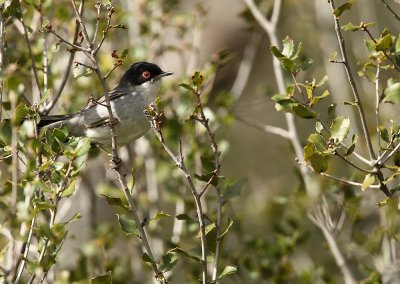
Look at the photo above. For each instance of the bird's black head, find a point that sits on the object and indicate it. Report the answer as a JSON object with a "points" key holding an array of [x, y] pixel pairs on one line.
{"points": [[140, 73]]}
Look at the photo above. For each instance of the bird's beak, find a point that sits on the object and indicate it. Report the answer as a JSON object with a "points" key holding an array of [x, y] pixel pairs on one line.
{"points": [[163, 74]]}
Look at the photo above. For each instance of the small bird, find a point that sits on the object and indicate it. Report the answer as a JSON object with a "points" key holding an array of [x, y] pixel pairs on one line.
{"points": [[137, 88]]}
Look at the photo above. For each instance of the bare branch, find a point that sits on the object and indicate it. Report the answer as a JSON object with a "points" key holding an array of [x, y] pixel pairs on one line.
{"points": [[353, 86], [391, 10]]}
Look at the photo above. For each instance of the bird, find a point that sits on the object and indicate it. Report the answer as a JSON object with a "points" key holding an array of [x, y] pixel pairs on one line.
{"points": [[137, 88]]}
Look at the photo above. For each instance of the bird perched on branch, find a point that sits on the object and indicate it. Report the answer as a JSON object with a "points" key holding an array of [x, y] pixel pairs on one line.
{"points": [[137, 88]]}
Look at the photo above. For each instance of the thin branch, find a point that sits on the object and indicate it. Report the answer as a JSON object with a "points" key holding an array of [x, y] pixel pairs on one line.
{"points": [[2, 63], [153, 117], [350, 78], [109, 15], [35, 72], [391, 10], [317, 217], [377, 105], [67, 71], [352, 164], [384, 159], [365, 28], [98, 7], [266, 128], [72, 45], [26, 251]]}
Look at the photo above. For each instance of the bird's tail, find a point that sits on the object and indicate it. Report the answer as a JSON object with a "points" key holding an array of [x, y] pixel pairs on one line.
{"points": [[52, 121]]}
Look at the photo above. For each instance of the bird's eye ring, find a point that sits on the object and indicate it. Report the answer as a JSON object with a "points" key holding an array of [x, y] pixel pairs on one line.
{"points": [[146, 74]]}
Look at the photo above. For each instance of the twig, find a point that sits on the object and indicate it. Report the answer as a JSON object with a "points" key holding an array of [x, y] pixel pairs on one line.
{"points": [[391, 10], [377, 105], [73, 45], [35, 72], [180, 163], [353, 86], [384, 159], [317, 217], [26, 251], [2, 63], [266, 128], [67, 71], [365, 28], [352, 164], [96, 29], [109, 15]]}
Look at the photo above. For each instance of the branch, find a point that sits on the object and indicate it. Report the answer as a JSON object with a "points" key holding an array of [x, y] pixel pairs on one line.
{"points": [[391, 10], [350, 78], [67, 71], [154, 118], [35, 72]]}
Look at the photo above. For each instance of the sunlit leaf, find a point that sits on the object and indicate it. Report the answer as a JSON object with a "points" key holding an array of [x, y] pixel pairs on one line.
{"points": [[346, 6], [159, 215], [128, 225], [384, 43], [226, 230], [368, 181], [392, 94], [340, 128], [208, 229]]}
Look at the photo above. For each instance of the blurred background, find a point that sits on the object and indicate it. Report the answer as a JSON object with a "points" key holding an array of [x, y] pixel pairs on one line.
{"points": [[272, 239]]}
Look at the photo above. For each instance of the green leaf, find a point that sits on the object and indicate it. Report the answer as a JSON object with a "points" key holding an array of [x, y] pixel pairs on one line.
{"points": [[350, 27], [368, 181], [42, 205], [331, 111], [396, 158], [384, 133], [319, 162], [70, 189], [120, 26], [102, 279], [83, 147], [340, 128], [333, 56], [20, 113], [397, 47], [346, 6], [392, 94], [184, 217], [230, 223], [288, 47], [303, 112], [316, 99], [128, 226], [233, 190], [115, 201], [159, 215], [146, 258], [13, 10], [319, 127], [124, 53], [384, 43], [318, 141], [168, 261], [228, 270], [186, 86], [208, 229], [185, 253], [351, 148], [47, 262]]}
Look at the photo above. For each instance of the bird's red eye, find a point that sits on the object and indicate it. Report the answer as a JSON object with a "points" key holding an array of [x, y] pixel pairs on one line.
{"points": [[146, 74]]}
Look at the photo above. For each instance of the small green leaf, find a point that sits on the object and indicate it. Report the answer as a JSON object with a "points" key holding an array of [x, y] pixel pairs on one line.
{"points": [[70, 189], [83, 147], [350, 27], [168, 261], [20, 113], [319, 162], [319, 127], [47, 262], [392, 94], [124, 53], [186, 86], [233, 190], [318, 141], [340, 128], [102, 279], [13, 10], [384, 43], [228, 270], [384, 133], [42, 205], [303, 112], [333, 56], [185, 217], [115, 201], [354, 104], [120, 26], [331, 112], [368, 181], [351, 148], [159, 215], [185, 253], [230, 223], [288, 47], [208, 229], [346, 6], [316, 99], [146, 258], [128, 226]]}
